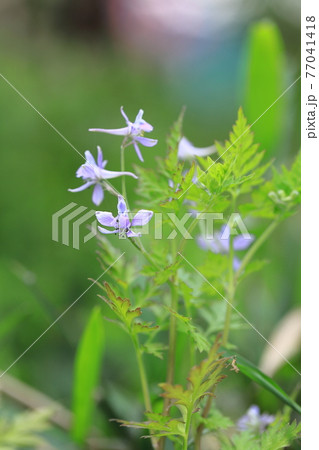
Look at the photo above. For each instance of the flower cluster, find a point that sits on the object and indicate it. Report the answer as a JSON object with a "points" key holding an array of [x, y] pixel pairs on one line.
{"points": [[93, 173], [122, 224], [133, 132]]}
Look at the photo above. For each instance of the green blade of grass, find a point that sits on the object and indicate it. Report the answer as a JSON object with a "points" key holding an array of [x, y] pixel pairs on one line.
{"points": [[263, 81], [251, 371], [86, 374]]}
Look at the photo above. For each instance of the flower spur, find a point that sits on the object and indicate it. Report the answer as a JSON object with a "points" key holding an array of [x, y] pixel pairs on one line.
{"points": [[133, 132]]}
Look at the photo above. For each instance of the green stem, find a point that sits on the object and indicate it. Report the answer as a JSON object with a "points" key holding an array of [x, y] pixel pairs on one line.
{"points": [[201, 427], [172, 328], [187, 428], [233, 279], [108, 187], [143, 380], [247, 258], [172, 339], [123, 170], [172, 335], [142, 372], [140, 248], [231, 284]]}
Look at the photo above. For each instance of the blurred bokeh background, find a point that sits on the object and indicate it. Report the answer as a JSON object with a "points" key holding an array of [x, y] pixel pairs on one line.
{"points": [[77, 62]]}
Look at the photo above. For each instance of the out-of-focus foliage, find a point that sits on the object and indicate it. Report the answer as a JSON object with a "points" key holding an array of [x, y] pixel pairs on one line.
{"points": [[264, 82], [24, 429], [279, 434]]}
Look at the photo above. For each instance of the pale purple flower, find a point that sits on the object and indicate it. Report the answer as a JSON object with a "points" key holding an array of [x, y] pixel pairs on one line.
{"points": [[133, 132], [93, 173], [186, 150], [254, 421], [122, 224], [219, 243]]}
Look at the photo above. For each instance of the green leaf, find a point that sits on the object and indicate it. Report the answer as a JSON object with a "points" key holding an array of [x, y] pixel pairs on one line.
{"points": [[237, 169], [264, 82], [279, 435], [215, 420], [122, 308], [202, 378], [186, 326], [175, 135], [280, 196], [158, 423], [166, 273], [23, 430], [154, 348], [86, 374], [252, 372]]}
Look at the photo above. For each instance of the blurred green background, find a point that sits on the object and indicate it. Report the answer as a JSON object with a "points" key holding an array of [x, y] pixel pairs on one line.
{"points": [[77, 63]]}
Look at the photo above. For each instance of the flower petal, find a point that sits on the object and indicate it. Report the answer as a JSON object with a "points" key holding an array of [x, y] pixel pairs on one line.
{"points": [[121, 205], [124, 115], [124, 221], [138, 152], [105, 218], [86, 171], [236, 263], [218, 246], [131, 233], [202, 242], [142, 217], [147, 142], [145, 126], [81, 188], [241, 242], [99, 157], [104, 231], [108, 174], [141, 123], [118, 131], [89, 158], [139, 116], [186, 150], [98, 194]]}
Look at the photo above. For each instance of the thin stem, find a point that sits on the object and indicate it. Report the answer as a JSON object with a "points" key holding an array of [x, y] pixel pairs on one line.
{"points": [[123, 170], [172, 335], [187, 428], [142, 372], [201, 427], [172, 341], [262, 238], [143, 380], [231, 283], [108, 187], [140, 248]]}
